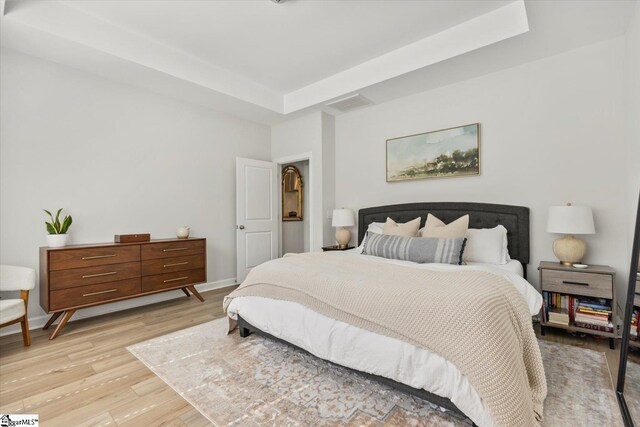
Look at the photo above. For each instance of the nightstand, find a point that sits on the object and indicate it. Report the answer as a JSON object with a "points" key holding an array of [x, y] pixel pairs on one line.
{"points": [[595, 281], [336, 248]]}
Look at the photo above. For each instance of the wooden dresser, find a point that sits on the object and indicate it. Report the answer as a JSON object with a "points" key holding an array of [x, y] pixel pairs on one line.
{"points": [[82, 276]]}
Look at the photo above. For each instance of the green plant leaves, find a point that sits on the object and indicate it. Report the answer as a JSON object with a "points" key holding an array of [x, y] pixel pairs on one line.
{"points": [[55, 227], [66, 223]]}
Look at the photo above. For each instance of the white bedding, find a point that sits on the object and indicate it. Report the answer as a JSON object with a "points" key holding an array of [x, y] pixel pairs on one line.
{"points": [[513, 266], [366, 351]]}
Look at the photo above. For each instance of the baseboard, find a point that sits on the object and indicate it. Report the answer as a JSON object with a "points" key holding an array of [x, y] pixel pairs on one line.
{"points": [[39, 321]]}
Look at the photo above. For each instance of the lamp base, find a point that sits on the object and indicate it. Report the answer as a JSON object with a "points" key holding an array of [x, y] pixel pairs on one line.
{"points": [[343, 236], [569, 250]]}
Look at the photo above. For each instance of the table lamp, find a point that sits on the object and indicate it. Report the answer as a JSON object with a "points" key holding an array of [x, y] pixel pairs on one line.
{"points": [[342, 218], [570, 220]]}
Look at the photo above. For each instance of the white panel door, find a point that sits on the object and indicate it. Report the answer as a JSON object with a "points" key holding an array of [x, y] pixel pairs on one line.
{"points": [[256, 214]]}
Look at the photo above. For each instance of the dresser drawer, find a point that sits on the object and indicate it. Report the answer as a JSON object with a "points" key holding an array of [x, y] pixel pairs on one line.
{"points": [[76, 258], [569, 282], [62, 279], [170, 265], [91, 294], [172, 280], [172, 249]]}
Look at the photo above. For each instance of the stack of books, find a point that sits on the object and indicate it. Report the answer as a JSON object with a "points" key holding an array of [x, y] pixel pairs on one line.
{"points": [[595, 315], [555, 302], [558, 316], [635, 325]]}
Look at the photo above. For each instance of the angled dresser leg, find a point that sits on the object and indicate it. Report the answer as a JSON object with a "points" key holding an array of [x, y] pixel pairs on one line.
{"points": [[186, 292], [63, 322], [53, 318], [195, 292]]}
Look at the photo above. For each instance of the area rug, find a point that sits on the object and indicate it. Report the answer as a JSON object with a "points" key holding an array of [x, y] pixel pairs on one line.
{"points": [[632, 390], [256, 381]]}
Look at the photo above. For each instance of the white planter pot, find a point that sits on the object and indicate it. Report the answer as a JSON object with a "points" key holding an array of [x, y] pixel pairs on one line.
{"points": [[57, 240]]}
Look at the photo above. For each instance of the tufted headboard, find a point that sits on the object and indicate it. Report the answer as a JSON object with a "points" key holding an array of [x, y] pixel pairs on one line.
{"points": [[481, 215]]}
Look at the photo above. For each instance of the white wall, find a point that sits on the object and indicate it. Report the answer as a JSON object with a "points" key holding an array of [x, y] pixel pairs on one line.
{"points": [[551, 132], [308, 135], [632, 93], [119, 160], [295, 234]]}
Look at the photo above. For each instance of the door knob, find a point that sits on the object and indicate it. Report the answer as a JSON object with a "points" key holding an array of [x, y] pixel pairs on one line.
{"points": [[241, 227]]}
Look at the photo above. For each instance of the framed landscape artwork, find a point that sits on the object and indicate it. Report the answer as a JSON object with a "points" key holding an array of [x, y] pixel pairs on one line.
{"points": [[442, 153]]}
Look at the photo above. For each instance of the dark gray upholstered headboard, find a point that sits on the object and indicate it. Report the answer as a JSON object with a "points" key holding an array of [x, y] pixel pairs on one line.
{"points": [[481, 215]]}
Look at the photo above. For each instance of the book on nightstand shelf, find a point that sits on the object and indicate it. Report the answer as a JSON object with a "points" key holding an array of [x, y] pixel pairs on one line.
{"points": [[559, 316]]}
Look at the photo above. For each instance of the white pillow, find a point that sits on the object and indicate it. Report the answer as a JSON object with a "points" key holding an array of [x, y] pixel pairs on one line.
{"points": [[486, 245], [374, 227]]}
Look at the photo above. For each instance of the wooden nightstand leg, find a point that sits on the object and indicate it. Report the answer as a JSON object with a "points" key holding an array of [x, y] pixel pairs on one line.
{"points": [[53, 318], [195, 292], [186, 292], [542, 330], [612, 344], [63, 322]]}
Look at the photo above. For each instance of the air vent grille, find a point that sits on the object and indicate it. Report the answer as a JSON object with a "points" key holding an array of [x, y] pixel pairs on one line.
{"points": [[350, 103]]}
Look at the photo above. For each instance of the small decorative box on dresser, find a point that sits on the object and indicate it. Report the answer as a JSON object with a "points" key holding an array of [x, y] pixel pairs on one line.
{"points": [[578, 300], [80, 276]]}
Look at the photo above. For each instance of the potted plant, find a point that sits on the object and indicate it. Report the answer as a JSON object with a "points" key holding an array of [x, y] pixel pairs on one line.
{"points": [[57, 230]]}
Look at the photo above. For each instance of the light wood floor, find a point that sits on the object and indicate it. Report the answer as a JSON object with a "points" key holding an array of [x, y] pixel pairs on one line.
{"points": [[87, 377]]}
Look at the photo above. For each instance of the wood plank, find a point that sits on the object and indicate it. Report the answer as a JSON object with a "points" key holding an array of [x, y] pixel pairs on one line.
{"points": [[166, 414], [140, 405]]}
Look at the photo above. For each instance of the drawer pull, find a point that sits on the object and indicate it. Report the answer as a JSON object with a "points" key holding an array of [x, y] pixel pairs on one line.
{"points": [[175, 263], [176, 279], [174, 249], [568, 282], [99, 274], [98, 256], [108, 291]]}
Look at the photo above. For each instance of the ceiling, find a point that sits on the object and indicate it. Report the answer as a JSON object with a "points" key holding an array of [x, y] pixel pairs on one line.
{"points": [[266, 61], [290, 45]]}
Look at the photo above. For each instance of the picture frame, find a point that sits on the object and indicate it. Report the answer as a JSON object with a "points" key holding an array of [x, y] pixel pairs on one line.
{"points": [[444, 153]]}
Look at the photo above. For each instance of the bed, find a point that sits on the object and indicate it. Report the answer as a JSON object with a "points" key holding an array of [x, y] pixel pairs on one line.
{"points": [[391, 358]]}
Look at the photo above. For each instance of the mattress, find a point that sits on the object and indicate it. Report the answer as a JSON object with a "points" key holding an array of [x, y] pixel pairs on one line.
{"points": [[373, 353]]}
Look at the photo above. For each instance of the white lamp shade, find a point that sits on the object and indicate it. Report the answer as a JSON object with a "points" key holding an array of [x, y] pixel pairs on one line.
{"points": [[570, 220], [342, 218]]}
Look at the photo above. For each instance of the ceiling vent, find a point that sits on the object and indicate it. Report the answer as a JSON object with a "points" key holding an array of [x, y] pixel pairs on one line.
{"points": [[350, 103]]}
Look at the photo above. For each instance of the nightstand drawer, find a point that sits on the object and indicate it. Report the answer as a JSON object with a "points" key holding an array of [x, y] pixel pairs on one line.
{"points": [[578, 283]]}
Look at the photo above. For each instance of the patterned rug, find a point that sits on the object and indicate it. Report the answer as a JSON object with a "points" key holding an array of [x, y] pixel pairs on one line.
{"points": [[632, 390], [258, 382]]}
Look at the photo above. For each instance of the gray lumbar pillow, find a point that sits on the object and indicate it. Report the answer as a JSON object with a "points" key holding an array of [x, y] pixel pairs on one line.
{"points": [[416, 249]]}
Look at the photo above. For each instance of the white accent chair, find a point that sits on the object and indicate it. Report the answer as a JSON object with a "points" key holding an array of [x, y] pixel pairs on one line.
{"points": [[12, 311]]}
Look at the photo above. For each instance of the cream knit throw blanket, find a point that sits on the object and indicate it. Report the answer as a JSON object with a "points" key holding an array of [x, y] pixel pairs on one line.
{"points": [[476, 320]]}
